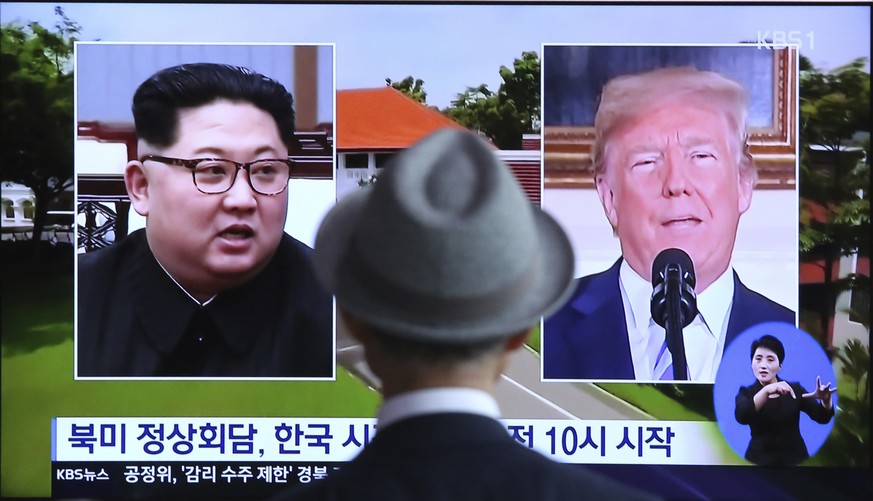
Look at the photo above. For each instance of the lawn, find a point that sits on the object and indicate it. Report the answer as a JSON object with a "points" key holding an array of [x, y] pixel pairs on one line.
{"points": [[652, 401], [37, 384]]}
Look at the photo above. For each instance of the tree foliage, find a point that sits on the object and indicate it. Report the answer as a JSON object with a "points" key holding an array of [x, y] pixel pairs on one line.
{"points": [[36, 109], [848, 444], [834, 109], [504, 116], [834, 105], [835, 221], [412, 87], [834, 171]]}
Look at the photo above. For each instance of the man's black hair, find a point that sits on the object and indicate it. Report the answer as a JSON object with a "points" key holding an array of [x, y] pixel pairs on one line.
{"points": [[772, 344], [157, 101]]}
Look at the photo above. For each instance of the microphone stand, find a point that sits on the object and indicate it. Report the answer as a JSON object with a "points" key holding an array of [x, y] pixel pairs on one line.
{"points": [[675, 322]]}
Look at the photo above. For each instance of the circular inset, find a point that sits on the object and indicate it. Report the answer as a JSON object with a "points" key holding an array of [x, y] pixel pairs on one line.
{"points": [[803, 361]]}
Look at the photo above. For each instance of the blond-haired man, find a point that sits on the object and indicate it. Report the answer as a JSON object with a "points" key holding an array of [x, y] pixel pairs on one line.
{"points": [[672, 170]]}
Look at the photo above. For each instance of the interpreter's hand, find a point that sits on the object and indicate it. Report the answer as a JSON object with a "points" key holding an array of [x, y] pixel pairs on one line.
{"points": [[823, 392], [773, 390]]}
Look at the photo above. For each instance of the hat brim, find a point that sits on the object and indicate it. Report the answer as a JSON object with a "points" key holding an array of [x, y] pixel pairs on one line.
{"points": [[548, 289]]}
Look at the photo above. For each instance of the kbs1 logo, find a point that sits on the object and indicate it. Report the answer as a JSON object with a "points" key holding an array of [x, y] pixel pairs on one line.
{"points": [[774, 39]]}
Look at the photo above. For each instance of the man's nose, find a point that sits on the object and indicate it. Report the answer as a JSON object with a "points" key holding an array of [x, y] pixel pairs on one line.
{"points": [[676, 181], [240, 196]]}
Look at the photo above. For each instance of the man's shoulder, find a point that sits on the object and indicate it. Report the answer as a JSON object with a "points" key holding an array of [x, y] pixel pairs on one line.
{"points": [[100, 263], [544, 480], [573, 481], [591, 292], [293, 252], [290, 243], [587, 337], [293, 259], [104, 300], [763, 309], [592, 282]]}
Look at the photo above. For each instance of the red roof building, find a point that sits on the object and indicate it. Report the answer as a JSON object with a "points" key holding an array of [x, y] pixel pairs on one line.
{"points": [[373, 124], [383, 119]]}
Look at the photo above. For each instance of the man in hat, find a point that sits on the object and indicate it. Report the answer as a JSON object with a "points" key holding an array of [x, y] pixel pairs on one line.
{"points": [[440, 270]]}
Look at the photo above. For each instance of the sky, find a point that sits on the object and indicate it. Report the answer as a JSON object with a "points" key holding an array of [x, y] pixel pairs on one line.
{"points": [[452, 47]]}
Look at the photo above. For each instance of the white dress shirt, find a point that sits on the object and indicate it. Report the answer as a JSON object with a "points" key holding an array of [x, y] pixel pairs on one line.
{"points": [[704, 337], [435, 401]]}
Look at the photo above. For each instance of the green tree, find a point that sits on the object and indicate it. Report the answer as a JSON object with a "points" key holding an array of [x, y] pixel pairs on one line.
{"points": [[834, 181], [834, 222], [412, 87], [504, 116], [36, 110], [849, 444], [475, 109], [520, 91]]}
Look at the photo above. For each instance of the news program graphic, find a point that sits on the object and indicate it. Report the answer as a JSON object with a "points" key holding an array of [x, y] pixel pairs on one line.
{"points": [[803, 362], [251, 457], [777, 39]]}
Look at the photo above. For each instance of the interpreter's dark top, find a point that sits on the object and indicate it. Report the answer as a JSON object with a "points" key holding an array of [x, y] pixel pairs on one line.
{"points": [[776, 439], [456, 456], [135, 321]]}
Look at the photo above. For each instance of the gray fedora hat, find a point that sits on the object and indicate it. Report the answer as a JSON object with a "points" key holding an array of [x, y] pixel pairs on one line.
{"points": [[444, 247]]}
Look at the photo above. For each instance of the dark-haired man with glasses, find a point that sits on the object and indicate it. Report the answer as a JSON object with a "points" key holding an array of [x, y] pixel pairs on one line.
{"points": [[212, 287]]}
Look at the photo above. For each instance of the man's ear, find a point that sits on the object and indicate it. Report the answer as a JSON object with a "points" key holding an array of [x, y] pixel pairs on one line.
{"points": [[607, 198], [357, 328], [516, 340], [137, 184], [745, 187]]}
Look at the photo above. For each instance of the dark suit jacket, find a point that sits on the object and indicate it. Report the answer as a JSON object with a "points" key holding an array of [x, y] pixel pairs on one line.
{"points": [[455, 456], [776, 439], [135, 321], [587, 338]]}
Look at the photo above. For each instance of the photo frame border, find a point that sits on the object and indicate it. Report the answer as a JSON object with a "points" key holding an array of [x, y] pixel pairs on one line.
{"points": [[567, 149]]}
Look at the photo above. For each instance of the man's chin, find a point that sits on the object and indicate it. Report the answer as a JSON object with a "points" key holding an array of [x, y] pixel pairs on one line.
{"points": [[236, 270], [643, 265]]}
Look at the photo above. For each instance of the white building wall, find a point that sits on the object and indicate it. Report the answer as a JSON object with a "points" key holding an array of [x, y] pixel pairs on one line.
{"points": [[347, 179], [17, 195]]}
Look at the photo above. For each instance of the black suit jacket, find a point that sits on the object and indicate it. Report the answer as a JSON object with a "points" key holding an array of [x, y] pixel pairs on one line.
{"points": [[587, 338], [134, 321], [776, 439], [451, 457]]}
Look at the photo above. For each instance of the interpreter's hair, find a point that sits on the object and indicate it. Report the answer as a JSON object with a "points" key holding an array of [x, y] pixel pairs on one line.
{"points": [[433, 352], [157, 101], [772, 344], [629, 96]]}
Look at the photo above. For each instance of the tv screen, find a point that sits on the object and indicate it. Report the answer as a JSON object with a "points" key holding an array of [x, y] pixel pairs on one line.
{"points": [[88, 412]]}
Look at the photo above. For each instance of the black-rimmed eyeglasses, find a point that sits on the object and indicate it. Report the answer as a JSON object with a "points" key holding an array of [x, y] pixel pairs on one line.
{"points": [[217, 175]]}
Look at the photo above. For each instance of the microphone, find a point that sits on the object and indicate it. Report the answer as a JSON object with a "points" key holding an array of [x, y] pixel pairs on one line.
{"points": [[674, 304]]}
